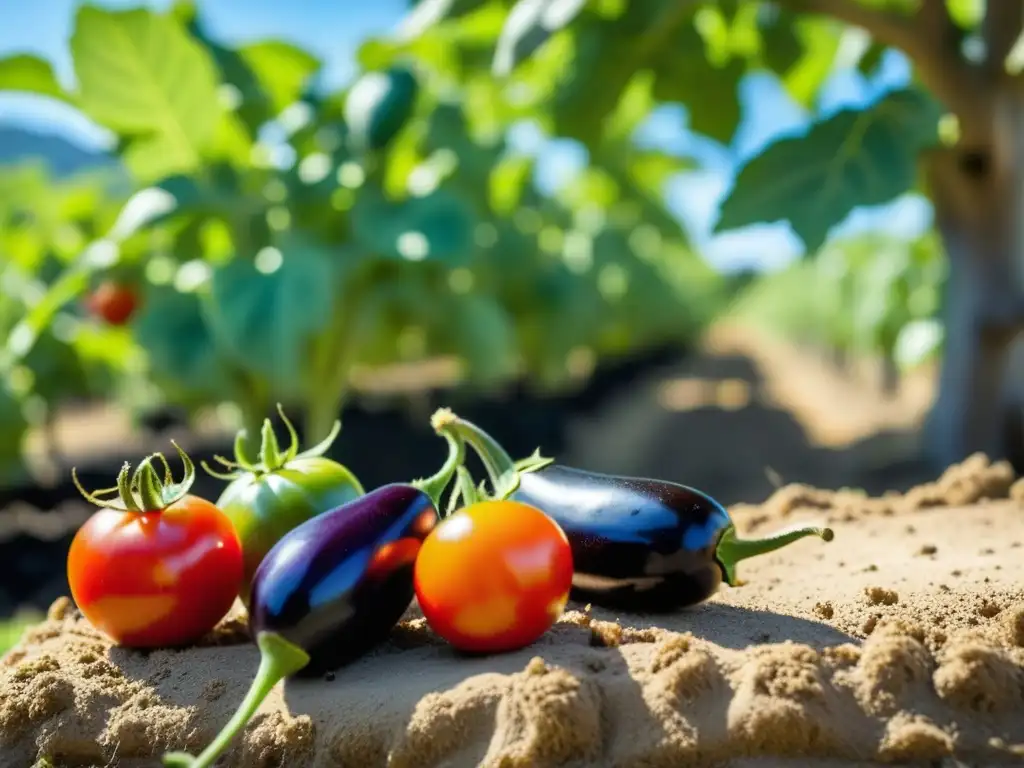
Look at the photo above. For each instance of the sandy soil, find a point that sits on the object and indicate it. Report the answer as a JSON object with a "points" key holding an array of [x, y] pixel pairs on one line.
{"points": [[901, 641]]}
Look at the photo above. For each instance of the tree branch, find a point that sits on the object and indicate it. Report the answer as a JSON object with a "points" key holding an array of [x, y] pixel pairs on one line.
{"points": [[953, 80], [1000, 29]]}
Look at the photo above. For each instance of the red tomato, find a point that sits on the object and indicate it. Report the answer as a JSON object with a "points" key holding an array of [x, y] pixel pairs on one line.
{"points": [[150, 579], [494, 576], [113, 302]]}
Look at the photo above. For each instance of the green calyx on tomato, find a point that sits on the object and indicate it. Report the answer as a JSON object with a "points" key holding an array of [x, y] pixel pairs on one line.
{"points": [[144, 490], [280, 490], [154, 566], [525, 554]]}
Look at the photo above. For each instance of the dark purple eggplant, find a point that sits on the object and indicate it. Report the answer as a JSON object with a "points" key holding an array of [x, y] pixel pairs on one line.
{"points": [[637, 544], [332, 588], [645, 545]]}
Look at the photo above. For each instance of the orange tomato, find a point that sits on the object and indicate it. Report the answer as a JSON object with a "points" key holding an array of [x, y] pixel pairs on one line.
{"points": [[494, 576], [156, 579]]}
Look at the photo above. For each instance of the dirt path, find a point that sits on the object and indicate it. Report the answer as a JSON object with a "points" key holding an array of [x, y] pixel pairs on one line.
{"points": [[902, 640]]}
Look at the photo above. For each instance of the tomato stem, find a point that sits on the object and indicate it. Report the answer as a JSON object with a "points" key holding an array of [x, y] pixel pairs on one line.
{"points": [[434, 485], [278, 659], [321, 448], [270, 458], [270, 450], [143, 490], [241, 452]]}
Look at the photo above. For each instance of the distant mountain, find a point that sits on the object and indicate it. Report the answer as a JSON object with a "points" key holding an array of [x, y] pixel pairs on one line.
{"points": [[62, 156]]}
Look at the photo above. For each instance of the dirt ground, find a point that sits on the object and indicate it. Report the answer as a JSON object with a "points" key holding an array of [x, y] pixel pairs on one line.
{"points": [[900, 641]]}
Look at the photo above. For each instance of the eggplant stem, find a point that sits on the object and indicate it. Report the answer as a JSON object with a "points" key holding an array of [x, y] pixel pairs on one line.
{"points": [[278, 659], [470, 493], [499, 465], [435, 485], [731, 549]]}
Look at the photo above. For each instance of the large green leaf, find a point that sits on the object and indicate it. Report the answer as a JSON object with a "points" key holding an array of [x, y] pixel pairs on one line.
{"points": [[182, 353], [142, 76], [528, 25], [24, 72], [266, 311], [282, 69], [428, 13], [609, 51], [438, 227], [853, 158], [709, 90]]}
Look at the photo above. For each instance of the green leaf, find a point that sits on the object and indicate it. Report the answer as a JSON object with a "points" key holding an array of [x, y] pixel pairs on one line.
{"points": [[142, 76], [528, 25], [710, 92], [821, 42], [851, 159], [31, 74], [507, 180], [267, 319], [13, 428], [438, 227], [182, 354], [281, 69], [429, 13]]}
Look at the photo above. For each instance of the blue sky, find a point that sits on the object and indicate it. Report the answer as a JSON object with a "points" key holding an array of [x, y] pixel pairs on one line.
{"points": [[333, 29]]}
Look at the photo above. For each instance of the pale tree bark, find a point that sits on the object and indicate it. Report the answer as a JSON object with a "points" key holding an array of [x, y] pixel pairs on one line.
{"points": [[977, 188]]}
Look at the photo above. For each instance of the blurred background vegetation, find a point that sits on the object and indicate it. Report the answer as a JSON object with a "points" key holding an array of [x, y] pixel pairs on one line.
{"points": [[810, 204]]}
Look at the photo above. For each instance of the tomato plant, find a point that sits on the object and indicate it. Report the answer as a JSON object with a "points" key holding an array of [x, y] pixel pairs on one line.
{"points": [[156, 566], [114, 303]]}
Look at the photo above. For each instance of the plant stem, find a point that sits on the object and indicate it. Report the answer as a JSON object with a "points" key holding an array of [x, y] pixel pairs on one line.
{"points": [[434, 485], [335, 351], [278, 660], [731, 549]]}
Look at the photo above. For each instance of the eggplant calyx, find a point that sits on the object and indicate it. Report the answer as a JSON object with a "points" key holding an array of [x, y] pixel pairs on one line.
{"points": [[731, 549], [533, 463], [434, 486], [278, 659], [143, 490], [270, 457]]}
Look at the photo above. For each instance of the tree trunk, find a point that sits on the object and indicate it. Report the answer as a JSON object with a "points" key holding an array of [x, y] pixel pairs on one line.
{"points": [[977, 190]]}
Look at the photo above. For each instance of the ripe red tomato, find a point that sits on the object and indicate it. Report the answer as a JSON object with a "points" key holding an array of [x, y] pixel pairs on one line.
{"points": [[156, 579], [494, 576], [115, 303]]}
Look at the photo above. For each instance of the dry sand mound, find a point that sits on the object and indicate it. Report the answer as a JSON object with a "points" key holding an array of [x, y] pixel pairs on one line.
{"points": [[902, 641]]}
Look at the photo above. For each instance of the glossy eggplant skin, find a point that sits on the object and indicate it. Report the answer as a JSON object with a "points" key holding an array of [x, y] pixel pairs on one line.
{"points": [[643, 545], [337, 584]]}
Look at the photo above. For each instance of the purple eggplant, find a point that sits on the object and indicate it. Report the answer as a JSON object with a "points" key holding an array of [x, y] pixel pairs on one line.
{"points": [[332, 588], [637, 544], [641, 544]]}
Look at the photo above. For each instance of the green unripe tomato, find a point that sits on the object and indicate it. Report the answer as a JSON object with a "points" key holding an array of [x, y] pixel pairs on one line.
{"points": [[268, 498]]}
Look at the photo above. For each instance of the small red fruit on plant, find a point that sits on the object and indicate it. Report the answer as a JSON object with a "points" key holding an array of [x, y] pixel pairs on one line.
{"points": [[494, 576], [156, 566], [113, 302]]}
